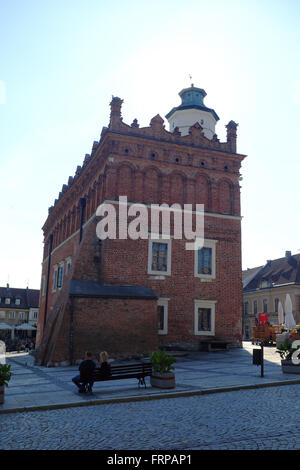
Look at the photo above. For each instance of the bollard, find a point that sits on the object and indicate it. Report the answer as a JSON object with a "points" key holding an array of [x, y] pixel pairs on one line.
{"points": [[258, 358]]}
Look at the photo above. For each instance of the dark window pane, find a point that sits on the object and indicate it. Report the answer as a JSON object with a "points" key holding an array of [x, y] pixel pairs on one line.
{"points": [[159, 256], [205, 261], [160, 312], [204, 319]]}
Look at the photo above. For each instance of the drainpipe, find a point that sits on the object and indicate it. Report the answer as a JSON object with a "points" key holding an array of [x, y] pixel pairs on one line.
{"points": [[48, 276], [82, 206]]}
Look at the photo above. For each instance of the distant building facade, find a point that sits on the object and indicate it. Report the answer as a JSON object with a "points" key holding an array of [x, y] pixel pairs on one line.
{"points": [[19, 307], [131, 296], [265, 286]]}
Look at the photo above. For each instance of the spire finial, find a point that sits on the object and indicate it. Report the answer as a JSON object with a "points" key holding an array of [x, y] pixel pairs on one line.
{"points": [[190, 77]]}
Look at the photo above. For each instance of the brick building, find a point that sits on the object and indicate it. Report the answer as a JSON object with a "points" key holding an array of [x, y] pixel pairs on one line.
{"points": [[130, 296], [265, 286]]}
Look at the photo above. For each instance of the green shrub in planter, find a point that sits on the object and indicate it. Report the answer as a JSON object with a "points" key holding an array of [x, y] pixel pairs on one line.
{"points": [[161, 361], [5, 374]]}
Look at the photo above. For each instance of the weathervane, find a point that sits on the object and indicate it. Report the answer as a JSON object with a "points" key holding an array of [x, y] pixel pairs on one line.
{"points": [[190, 77]]}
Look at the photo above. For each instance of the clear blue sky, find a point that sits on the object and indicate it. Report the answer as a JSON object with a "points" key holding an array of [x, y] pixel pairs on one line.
{"points": [[61, 60]]}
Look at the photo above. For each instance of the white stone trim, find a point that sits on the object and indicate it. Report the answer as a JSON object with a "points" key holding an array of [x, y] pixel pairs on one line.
{"points": [[169, 256], [208, 243], [204, 304], [163, 302]]}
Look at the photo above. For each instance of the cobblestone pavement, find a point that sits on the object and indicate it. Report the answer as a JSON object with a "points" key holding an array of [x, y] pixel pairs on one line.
{"points": [[246, 419]]}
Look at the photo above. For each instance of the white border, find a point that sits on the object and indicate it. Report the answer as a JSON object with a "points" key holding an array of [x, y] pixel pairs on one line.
{"points": [[208, 243], [169, 257], [163, 302], [205, 304]]}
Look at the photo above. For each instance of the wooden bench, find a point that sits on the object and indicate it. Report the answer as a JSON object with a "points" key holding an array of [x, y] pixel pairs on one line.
{"points": [[214, 345], [129, 371]]}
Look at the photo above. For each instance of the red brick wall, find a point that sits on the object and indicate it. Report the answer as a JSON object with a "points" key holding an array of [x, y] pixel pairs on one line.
{"points": [[150, 165]]}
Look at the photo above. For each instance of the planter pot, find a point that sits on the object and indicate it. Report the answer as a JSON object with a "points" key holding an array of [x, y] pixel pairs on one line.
{"points": [[281, 338], [1, 394], [289, 368], [166, 380]]}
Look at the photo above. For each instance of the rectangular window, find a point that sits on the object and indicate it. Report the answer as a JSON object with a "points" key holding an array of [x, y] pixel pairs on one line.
{"points": [[276, 305], [11, 315], [246, 308], [159, 257], [2, 314], [204, 320], [21, 315], [68, 265], [7, 301], [205, 260], [60, 276], [162, 316], [54, 279], [17, 301], [255, 307], [265, 303]]}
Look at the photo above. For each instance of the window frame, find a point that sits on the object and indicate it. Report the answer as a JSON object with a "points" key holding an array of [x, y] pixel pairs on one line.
{"points": [[265, 302], [60, 276], [54, 279], [167, 242], [208, 304], [163, 302], [208, 243]]}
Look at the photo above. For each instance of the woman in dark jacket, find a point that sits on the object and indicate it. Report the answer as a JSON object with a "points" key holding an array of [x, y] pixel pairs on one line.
{"points": [[104, 364]]}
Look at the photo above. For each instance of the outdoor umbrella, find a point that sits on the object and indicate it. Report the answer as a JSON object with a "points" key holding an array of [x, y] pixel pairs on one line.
{"points": [[25, 326], [280, 314], [289, 318], [5, 326]]}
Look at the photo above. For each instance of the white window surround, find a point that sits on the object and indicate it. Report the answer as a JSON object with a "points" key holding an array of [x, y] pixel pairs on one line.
{"points": [[17, 301], [43, 284], [169, 256], [68, 264], [208, 243], [205, 304], [55, 270], [163, 302]]}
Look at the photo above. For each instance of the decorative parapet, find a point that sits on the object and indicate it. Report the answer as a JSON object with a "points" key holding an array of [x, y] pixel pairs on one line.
{"points": [[157, 129]]}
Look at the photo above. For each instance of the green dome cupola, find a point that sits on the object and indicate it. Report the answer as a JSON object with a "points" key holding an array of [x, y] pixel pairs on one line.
{"points": [[192, 110]]}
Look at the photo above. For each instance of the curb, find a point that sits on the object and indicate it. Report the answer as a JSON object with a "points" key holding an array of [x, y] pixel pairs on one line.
{"points": [[157, 396]]}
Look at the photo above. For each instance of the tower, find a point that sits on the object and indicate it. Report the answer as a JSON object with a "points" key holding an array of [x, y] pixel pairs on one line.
{"points": [[192, 110]]}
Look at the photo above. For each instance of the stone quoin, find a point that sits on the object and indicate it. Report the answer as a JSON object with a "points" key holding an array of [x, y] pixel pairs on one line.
{"points": [[130, 296]]}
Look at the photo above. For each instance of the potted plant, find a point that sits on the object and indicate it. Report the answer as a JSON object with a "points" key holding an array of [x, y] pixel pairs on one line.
{"points": [[5, 376], [290, 358], [162, 375]]}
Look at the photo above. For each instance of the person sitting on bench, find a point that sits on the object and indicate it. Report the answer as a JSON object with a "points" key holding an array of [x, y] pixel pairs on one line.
{"points": [[104, 365], [86, 370]]}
